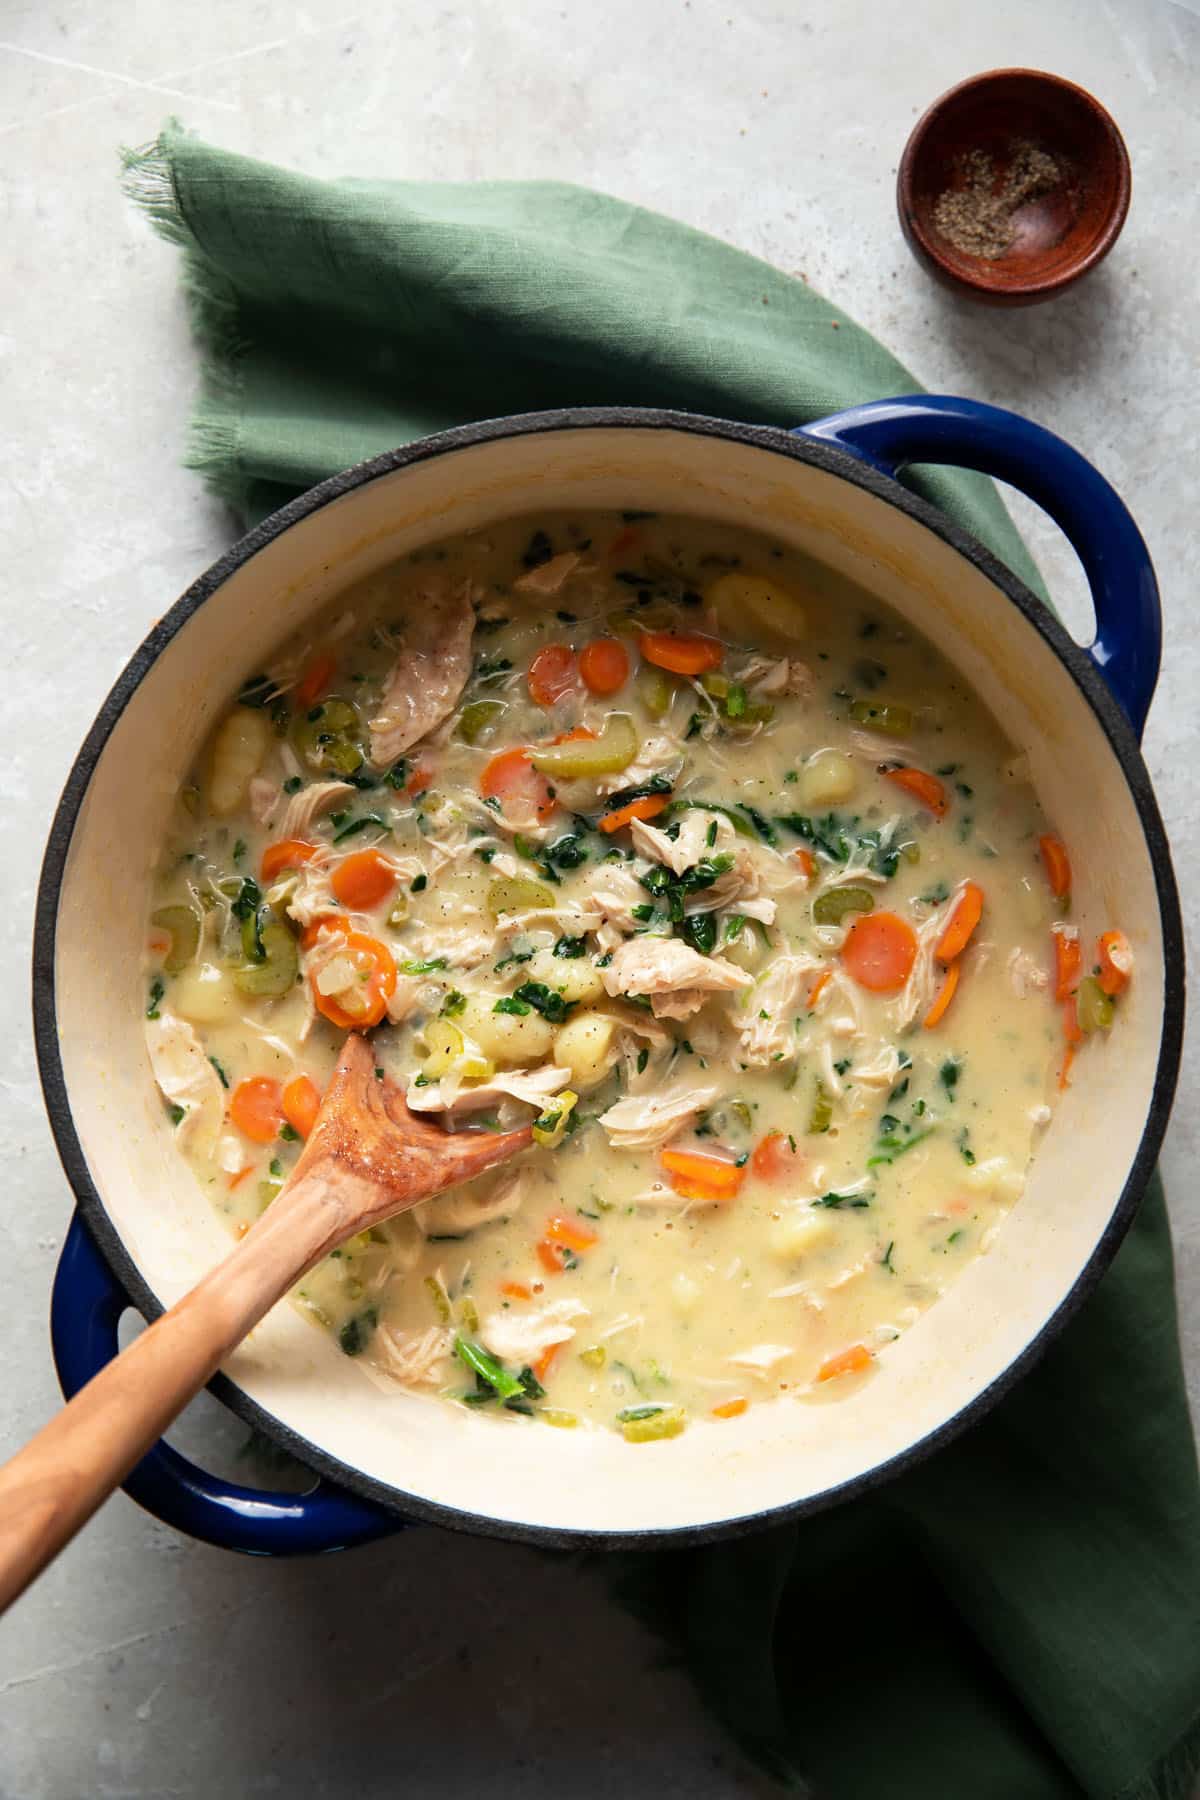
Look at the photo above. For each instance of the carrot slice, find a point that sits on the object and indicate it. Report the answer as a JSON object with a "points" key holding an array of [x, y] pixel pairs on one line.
{"points": [[551, 674], [419, 781], [879, 951], [256, 1108], [375, 973], [516, 1290], [699, 1177], [363, 880], [237, 1180], [1057, 865], [925, 788], [624, 540], [807, 862], [682, 652], [945, 995], [1114, 953], [604, 665], [730, 1409], [818, 987], [1073, 1036], [300, 1103], [288, 853], [846, 1362], [968, 910], [328, 922], [315, 682], [553, 1257], [578, 734], [1068, 960], [561, 1230], [541, 1367], [512, 779], [1072, 1029], [775, 1156], [648, 807]]}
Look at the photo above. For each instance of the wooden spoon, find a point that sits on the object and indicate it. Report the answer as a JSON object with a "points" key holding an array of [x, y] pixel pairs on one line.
{"points": [[367, 1158]]}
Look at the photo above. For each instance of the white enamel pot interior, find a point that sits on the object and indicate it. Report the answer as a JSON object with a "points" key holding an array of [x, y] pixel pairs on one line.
{"points": [[450, 1464]]}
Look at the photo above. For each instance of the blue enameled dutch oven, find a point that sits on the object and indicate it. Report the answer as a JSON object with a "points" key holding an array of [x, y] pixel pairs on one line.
{"points": [[144, 1232]]}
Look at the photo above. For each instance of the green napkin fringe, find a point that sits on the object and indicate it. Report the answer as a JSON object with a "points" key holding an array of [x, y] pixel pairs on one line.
{"points": [[213, 439]]}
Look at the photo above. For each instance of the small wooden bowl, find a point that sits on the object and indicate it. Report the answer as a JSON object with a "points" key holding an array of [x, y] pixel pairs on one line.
{"points": [[1056, 235]]}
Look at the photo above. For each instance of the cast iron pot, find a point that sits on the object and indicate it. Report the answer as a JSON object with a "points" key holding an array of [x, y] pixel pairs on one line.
{"points": [[144, 1232]]}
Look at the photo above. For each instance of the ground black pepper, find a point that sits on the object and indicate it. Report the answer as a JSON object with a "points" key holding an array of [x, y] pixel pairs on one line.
{"points": [[976, 214]]}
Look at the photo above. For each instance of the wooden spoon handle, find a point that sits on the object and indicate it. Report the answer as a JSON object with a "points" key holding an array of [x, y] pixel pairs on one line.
{"points": [[54, 1485]]}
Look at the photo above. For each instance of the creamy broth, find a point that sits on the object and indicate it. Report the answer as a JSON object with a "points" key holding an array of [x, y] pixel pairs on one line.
{"points": [[658, 834]]}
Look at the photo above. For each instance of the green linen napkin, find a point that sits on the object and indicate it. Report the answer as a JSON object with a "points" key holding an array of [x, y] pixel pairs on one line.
{"points": [[1017, 1618]]}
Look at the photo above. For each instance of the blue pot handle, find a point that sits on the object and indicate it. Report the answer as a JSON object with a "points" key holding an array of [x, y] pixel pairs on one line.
{"points": [[937, 428], [85, 1309]]}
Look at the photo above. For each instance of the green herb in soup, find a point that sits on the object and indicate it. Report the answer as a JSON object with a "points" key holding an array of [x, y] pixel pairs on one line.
{"points": [[611, 825]]}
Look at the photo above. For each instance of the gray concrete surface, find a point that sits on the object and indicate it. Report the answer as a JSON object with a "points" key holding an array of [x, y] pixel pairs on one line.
{"points": [[144, 1665]]}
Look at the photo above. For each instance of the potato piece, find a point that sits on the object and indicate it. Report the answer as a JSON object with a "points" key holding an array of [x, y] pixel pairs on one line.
{"points": [[747, 950], [583, 1045], [996, 1176], [799, 1232], [576, 978], [686, 1294], [742, 601], [508, 1038], [205, 995], [238, 753], [827, 778]]}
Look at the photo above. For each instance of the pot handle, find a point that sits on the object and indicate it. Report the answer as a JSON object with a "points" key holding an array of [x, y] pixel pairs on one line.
{"points": [[85, 1309], [938, 428]]}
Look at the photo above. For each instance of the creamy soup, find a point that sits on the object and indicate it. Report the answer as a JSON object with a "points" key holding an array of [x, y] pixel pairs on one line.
{"points": [[657, 835]]}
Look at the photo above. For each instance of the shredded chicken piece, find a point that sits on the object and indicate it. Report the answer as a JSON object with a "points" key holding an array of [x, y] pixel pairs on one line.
{"points": [[404, 999], [312, 803], [916, 997], [429, 674], [689, 847], [849, 1274], [775, 676], [463, 946], [478, 1203], [677, 978], [533, 1087], [264, 796], [877, 748], [1025, 972], [768, 1035], [186, 1078], [659, 1196], [312, 897], [567, 921], [414, 1359], [521, 1337], [615, 892], [739, 889], [760, 1359], [881, 1071], [550, 576], [643, 1121]]}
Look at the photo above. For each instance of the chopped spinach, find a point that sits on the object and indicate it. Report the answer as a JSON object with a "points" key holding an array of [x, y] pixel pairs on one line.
{"points": [[545, 1000], [355, 1334], [157, 990], [537, 551]]}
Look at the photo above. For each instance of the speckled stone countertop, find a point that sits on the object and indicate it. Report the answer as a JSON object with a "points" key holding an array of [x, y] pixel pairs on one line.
{"points": [[145, 1665]]}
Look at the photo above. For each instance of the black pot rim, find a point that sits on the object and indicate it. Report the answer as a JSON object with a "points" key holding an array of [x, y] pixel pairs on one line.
{"points": [[777, 441]]}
